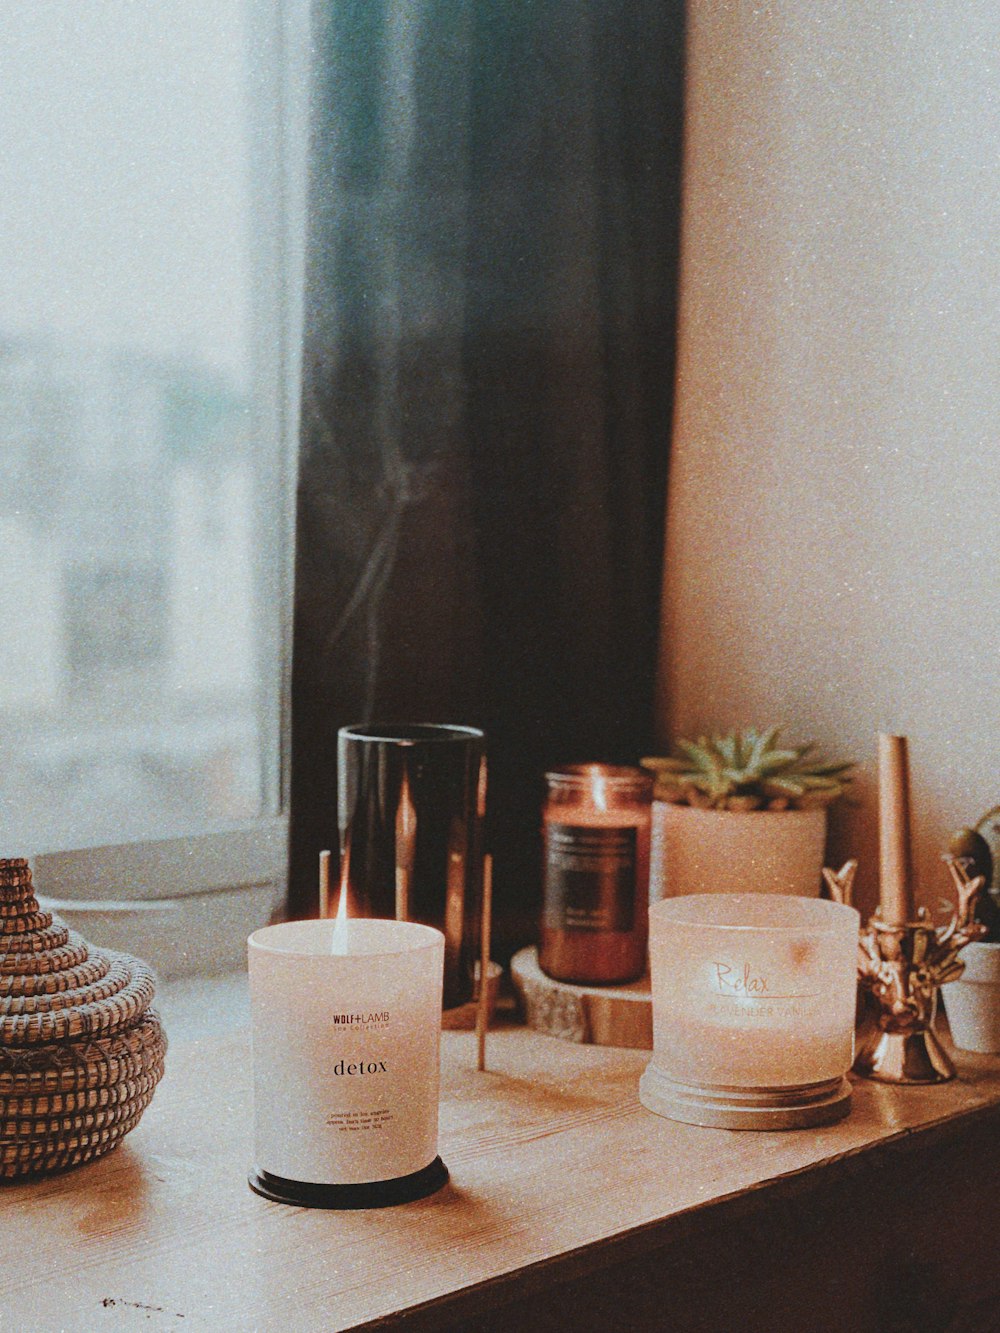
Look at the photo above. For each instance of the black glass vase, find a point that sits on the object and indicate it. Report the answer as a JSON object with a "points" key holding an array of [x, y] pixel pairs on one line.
{"points": [[410, 803]]}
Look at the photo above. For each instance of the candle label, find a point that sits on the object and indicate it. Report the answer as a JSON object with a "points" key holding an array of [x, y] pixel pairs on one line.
{"points": [[731, 980], [376, 1021], [590, 877], [758, 998]]}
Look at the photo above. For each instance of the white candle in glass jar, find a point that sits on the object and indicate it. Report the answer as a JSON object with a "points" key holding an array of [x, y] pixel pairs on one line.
{"points": [[346, 1040], [753, 1005]]}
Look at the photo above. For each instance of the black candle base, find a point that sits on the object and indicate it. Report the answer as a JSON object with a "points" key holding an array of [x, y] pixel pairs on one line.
{"points": [[373, 1194]]}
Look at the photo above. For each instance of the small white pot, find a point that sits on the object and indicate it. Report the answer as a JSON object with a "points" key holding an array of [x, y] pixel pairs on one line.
{"points": [[973, 1001], [735, 851]]}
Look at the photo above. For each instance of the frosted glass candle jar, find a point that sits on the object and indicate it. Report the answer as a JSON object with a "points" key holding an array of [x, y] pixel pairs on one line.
{"points": [[753, 1010], [346, 1056]]}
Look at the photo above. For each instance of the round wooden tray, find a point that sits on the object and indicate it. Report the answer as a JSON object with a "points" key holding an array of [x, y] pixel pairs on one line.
{"points": [[595, 1015]]}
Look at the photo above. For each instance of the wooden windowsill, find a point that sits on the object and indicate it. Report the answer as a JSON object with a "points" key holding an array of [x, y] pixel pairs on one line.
{"points": [[569, 1206]]}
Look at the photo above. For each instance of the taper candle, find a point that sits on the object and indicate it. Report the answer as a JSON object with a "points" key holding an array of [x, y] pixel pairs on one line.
{"points": [[895, 868]]}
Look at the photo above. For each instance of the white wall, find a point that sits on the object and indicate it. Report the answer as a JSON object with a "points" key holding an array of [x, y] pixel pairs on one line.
{"points": [[833, 548]]}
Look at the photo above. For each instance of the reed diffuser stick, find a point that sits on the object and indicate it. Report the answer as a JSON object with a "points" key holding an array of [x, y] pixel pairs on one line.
{"points": [[483, 1010], [324, 885]]}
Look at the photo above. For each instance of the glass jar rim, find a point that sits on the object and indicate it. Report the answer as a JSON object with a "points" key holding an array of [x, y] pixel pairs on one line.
{"points": [[410, 733], [312, 938], [617, 777], [817, 916]]}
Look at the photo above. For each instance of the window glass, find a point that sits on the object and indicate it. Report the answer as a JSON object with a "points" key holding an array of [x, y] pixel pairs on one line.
{"points": [[139, 440]]}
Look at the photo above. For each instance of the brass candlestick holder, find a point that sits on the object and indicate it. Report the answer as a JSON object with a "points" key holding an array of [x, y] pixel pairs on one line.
{"points": [[900, 969]]}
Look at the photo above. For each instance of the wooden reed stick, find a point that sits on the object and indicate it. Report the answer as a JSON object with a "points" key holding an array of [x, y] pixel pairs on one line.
{"points": [[483, 1010], [406, 846], [896, 906], [324, 885]]}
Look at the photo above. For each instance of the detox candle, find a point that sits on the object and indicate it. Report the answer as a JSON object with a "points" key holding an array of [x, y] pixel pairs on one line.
{"points": [[753, 1010], [346, 1034]]}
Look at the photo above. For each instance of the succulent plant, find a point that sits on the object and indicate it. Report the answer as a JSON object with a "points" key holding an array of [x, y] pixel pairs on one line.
{"points": [[746, 770]]}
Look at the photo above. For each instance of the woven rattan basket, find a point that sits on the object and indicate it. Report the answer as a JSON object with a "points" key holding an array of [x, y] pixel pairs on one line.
{"points": [[81, 1052]]}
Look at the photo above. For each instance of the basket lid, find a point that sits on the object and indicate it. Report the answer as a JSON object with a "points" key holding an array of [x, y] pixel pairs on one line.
{"points": [[54, 986]]}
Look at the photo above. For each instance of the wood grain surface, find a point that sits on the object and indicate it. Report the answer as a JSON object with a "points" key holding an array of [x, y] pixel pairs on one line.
{"points": [[569, 1207]]}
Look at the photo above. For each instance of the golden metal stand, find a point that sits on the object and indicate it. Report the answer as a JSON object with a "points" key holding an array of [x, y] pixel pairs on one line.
{"points": [[900, 969]]}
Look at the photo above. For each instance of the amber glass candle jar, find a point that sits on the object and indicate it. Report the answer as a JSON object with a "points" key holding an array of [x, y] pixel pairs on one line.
{"points": [[595, 907]]}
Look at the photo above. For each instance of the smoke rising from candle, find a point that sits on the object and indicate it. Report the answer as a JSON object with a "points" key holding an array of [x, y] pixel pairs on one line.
{"points": [[338, 940]]}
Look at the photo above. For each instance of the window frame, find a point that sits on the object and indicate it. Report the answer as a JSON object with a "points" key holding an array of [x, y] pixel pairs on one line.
{"points": [[240, 856], [246, 854]]}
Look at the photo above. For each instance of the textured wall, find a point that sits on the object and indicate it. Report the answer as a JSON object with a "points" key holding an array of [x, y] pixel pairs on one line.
{"points": [[833, 548]]}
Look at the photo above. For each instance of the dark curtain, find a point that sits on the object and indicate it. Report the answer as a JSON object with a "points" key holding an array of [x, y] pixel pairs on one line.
{"points": [[488, 367]]}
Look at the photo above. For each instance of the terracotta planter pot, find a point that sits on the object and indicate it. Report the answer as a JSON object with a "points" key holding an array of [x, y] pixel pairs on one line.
{"points": [[973, 1001], [729, 851]]}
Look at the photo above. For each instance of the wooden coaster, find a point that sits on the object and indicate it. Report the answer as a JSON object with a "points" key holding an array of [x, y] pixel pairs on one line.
{"points": [[745, 1108], [594, 1015]]}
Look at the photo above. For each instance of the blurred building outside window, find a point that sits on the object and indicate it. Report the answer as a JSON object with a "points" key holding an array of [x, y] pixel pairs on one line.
{"points": [[150, 216]]}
